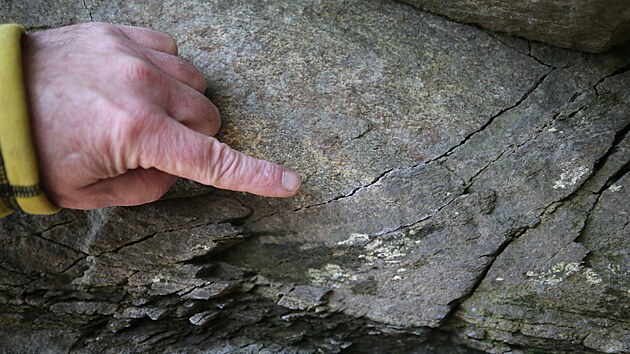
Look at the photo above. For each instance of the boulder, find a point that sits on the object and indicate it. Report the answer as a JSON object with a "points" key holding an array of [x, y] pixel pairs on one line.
{"points": [[463, 191], [588, 25]]}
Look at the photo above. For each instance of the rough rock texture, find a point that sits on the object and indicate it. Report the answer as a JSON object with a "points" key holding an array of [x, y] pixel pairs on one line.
{"points": [[462, 189], [589, 25]]}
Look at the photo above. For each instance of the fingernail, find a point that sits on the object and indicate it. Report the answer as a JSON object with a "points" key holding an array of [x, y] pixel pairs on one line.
{"points": [[291, 181]]}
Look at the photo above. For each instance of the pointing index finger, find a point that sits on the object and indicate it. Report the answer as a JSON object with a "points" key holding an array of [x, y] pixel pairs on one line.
{"points": [[183, 152]]}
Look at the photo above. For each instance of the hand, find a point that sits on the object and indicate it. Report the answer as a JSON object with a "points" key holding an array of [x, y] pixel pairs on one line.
{"points": [[116, 115]]}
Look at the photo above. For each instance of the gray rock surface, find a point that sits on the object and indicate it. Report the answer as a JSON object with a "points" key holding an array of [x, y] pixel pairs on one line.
{"points": [[589, 25], [463, 190]]}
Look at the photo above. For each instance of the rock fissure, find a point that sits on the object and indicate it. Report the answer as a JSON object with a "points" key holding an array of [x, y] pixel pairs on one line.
{"points": [[529, 49], [88, 10], [388, 172], [63, 245], [71, 265], [150, 236], [416, 222], [624, 69], [540, 80]]}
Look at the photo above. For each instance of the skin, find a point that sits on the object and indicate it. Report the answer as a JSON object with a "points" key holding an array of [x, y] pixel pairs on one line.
{"points": [[117, 116]]}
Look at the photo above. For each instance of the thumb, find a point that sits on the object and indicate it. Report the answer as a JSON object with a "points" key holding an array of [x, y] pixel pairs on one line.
{"points": [[183, 152]]}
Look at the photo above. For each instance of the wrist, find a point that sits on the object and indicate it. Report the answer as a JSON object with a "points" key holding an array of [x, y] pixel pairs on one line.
{"points": [[19, 175]]}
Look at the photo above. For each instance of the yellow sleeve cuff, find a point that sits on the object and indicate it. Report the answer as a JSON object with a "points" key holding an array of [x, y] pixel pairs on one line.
{"points": [[19, 175]]}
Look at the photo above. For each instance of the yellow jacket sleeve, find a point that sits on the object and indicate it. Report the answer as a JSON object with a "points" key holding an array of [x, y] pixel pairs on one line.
{"points": [[19, 175]]}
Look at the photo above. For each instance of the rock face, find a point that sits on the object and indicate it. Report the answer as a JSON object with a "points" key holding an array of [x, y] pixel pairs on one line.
{"points": [[462, 190], [589, 25]]}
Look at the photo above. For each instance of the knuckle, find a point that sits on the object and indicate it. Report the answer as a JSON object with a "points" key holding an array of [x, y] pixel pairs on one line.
{"points": [[134, 123], [187, 70], [225, 164], [90, 26], [99, 28], [139, 71], [265, 175]]}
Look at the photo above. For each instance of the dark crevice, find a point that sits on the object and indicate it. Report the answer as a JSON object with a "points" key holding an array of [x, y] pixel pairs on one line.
{"points": [[491, 120], [619, 71], [611, 181], [344, 196], [38, 235], [364, 133], [72, 264], [150, 236], [352, 192], [414, 223], [142, 239], [513, 147], [60, 224], [153, 335], [91, 329], [8, 270], [520, 231], [625, 169], [580, 237], [620, 136], [455, 304], [529, 49], [601, 161], [88, 10]]}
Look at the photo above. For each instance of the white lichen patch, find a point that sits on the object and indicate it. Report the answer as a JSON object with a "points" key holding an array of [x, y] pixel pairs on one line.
{"points": [[389, 252], [330, 273], [200, 248], [570, 178], [614, 268], [554, 276], [592, 277], [615, 188], [355, 239]]}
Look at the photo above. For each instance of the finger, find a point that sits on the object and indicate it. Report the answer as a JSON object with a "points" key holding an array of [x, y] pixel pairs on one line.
{"points": [[134, 187], [192, 109], [178, 68], [183, 152], [150, 39]]}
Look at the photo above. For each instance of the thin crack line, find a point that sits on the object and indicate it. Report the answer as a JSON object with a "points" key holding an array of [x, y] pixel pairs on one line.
{"points": [[506, 243], [529, 48], [423, 219], [38, 235], [88, 10], [619, 71], [509, 239], [385, 174], [501, 112], [513, 147], [150, 236]]}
